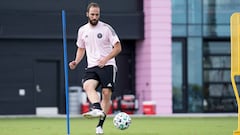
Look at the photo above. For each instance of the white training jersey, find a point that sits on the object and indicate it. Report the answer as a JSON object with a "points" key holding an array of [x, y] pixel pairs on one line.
{"points": [[98, 41]]}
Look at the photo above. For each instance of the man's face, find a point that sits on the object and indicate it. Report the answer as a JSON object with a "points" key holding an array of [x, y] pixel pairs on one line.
{"points": [[93, 15]]}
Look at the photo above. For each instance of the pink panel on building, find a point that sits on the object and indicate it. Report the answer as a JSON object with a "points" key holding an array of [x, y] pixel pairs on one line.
{"points": [[153, 57]]}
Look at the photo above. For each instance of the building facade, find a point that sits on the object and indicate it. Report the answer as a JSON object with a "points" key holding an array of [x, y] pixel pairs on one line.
{"points": [[175, 53], [187, 70], [153, 57], [32, 75]]}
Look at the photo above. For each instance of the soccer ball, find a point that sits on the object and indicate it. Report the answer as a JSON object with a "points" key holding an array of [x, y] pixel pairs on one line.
{"points": [[122, 120]]}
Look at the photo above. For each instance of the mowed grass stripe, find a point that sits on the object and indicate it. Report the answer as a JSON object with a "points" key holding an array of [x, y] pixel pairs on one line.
{"points": [[139, 126]]}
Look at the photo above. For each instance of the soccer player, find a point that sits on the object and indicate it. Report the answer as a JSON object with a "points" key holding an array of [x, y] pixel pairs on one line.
{"points": [[102, 45]]}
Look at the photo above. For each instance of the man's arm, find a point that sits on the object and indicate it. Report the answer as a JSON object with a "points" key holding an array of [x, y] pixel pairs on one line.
{"points": [[79, 55], [116, 50]]}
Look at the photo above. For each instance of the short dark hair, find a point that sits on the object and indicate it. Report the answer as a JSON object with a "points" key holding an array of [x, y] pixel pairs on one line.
{"points": [[92, 4]]}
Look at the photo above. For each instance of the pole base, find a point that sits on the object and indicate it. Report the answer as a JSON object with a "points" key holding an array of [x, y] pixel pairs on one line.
{"points": [[236, 132]]}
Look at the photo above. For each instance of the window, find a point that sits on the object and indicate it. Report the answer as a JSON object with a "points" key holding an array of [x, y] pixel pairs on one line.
{"points": [[218, 92]]}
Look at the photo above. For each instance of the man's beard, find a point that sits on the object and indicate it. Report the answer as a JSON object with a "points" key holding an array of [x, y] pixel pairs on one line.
{"points": [[93, 22]]}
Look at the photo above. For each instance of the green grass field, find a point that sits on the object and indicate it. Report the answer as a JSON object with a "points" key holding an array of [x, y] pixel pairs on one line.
{"points": [[139, 126]]}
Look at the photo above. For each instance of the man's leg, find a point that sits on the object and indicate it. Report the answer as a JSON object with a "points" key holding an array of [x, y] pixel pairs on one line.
{"points": [[106, 102], [106, 99], [107, 77], [90, 88]]}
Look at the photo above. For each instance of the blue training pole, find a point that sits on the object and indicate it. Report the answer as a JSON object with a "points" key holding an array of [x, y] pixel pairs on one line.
{"points": [[65, 69]]}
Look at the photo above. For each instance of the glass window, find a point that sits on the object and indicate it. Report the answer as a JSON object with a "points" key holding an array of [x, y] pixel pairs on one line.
{"points": [[179, 30], [219, 11], [194, 52], [179, 11], [217, 62], [177, 75], [195, 61], [217, 47], [194, 11], [215, 75], [195, 30], [216, 16], [218, 92], [216, 30], [219, 98]]}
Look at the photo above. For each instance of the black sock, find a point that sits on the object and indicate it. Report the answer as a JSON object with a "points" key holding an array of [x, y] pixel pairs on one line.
{"points": [[96, 106], [101, 120]]}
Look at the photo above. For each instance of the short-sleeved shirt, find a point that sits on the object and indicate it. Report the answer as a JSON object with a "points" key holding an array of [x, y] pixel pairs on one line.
{"points": [[98, 41]]}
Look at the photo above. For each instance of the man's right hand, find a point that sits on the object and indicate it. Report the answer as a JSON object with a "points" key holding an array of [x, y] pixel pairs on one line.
{"points": [[73, 65]]}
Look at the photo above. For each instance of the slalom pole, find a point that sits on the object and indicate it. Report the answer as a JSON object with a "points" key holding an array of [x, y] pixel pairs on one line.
{"points": [[66, 69], [235, 59]]}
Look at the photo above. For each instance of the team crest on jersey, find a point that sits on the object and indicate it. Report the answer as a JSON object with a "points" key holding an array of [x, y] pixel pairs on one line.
{"points": [[99, 35]]}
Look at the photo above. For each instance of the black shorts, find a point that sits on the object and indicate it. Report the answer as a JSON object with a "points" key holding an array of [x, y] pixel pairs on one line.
{"points": [[105, 76]]}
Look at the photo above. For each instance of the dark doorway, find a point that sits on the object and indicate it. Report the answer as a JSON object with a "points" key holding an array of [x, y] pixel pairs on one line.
{"points": [[46, 76]]}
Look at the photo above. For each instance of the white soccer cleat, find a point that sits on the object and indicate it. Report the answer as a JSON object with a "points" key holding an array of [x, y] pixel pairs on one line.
{"points": [[95, 113], [99, 131]]}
